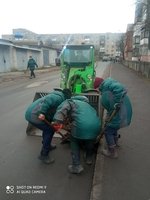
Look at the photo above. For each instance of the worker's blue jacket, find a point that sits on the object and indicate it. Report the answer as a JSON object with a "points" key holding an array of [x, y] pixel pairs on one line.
{"points": [[85, 123]]}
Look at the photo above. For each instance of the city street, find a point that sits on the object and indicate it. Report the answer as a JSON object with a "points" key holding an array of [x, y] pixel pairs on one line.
{"points": [[23, 176], [78, 48]]}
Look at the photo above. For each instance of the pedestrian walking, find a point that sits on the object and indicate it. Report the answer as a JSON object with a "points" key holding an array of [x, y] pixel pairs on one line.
{"points": [[42, 111], [85, 127], [31, 65], [118, 106]]}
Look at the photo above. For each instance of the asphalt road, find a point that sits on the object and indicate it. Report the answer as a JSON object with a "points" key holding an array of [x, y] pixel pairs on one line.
{"points": [[22, 175], [126, 178]]}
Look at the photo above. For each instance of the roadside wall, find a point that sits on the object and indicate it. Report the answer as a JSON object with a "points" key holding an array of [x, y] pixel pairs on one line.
{"points": [[14, 58], [142, 68]]}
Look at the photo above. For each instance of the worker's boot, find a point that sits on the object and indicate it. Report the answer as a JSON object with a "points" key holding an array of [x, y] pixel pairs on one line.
{"points": [[88, 158], [111, 152], [45, 158], [52, 147], [117, 141], [75, 168]]}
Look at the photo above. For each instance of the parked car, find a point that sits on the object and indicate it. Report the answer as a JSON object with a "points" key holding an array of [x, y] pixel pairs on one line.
{"points": [[105, 59]]}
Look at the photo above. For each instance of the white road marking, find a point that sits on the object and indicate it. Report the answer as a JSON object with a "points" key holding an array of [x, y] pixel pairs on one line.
{"points": [[36, 84]]}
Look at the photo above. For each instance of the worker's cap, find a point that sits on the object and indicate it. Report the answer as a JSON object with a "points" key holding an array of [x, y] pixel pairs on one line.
{"points": [[98, 81]]}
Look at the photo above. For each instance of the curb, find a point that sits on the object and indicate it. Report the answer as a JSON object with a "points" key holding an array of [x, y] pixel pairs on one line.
{"points": [[98, 175]]}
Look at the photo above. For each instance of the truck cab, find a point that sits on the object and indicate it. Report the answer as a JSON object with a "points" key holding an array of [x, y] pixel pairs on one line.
{"points": [[77, 68]]}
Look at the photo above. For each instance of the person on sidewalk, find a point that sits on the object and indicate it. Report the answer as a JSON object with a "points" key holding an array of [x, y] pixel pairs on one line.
{"points": [[31, 65], [85, 127], [42, 111], [115, 101]]}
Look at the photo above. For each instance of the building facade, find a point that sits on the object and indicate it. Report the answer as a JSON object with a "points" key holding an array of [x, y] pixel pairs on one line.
{"points": [[105, 43], [141, 32]]}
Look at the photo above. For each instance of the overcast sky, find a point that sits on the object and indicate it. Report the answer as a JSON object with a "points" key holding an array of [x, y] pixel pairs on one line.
{"points": [[66, 16]]}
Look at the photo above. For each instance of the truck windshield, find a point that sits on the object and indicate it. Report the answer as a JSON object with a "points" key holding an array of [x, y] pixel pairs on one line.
{"points": [[77, 56]]}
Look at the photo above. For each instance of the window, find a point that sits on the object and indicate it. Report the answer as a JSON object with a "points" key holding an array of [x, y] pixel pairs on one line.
{"points": [[137, 40], [144, 34], [74, 56]]}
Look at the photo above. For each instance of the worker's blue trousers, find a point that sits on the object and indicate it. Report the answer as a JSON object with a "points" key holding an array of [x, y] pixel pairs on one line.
{"points": [[111, 136], [47, 135]]}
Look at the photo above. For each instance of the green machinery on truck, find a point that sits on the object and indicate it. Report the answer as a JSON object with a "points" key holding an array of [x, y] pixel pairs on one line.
{"points": [[77, 73], [77, 68]]}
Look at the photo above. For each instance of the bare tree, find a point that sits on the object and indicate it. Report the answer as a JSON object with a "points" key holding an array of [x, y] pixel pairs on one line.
{"points": [[121, 44]]}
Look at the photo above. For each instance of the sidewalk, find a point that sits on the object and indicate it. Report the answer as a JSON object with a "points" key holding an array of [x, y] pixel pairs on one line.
{"points": [[128, 177]]}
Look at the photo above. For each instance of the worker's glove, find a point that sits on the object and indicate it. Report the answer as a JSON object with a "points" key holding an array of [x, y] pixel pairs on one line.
{"points": [[117, 106], [41, 117], [57, 126]]}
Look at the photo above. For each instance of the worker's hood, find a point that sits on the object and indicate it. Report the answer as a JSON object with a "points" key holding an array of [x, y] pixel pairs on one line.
{"points": [[81, 98], [104, 86]]}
